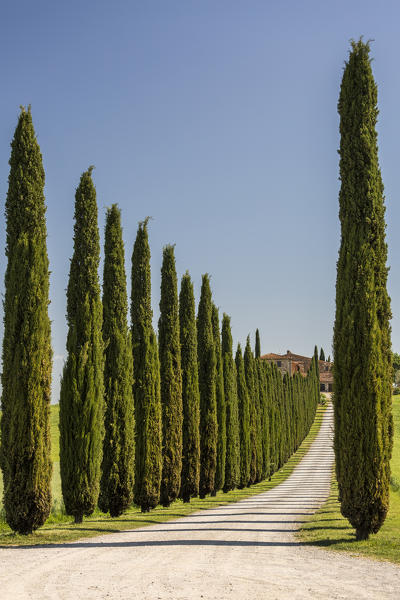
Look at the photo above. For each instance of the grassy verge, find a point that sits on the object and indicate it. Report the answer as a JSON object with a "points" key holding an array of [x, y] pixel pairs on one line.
{"points": [[59, 528], [328, 529]]}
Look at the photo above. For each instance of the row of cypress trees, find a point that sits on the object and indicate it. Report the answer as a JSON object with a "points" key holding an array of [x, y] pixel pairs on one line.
{"points": [[143, 418]]}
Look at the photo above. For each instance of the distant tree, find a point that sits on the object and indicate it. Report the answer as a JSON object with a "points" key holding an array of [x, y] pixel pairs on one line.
{"points": [[26, 377], [322, 355], [244, 421], [190, 392], [329, 358], [251, 389], [146, 373], [171, 380], [362, 353], [207, 384], [257, 353], [232, 464], [221, 408], [82, 391], [118, 466]]}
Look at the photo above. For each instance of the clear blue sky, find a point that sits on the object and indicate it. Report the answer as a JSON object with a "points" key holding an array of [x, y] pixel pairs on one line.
{"points": [[218, 119]]}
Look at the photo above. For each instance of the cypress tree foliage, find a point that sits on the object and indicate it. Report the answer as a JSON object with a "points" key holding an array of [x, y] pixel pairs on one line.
{"points": [[171, 380], [190, 392], [26, 377], [81, 396], [264, 420], [244, 420], [221, 407], [232, 464], [118, 466], [322, 354], [362, 353], [251, 389], [257, 352], [146, 376], [207, 386]]}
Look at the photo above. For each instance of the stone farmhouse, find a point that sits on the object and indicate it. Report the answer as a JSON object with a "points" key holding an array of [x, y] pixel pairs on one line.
{"points": [[295, 363]]}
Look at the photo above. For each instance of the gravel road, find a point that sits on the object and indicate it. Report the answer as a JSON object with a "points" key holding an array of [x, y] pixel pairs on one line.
{"points": [[242, 551]]}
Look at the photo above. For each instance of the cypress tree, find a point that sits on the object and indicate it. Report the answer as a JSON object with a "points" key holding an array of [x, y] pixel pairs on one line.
{"points": [[257, 352], [244, 420], [81, 396], [118, 466], [362, 348], [171, 380], [322, 354], [221, 408], [26, 376], [251, 389], [146, 377], [207, 385], [190, 392], [232, 463]]}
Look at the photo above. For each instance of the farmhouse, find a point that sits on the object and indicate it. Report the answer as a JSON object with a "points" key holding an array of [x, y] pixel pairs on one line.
{"points": [[295, 363]]}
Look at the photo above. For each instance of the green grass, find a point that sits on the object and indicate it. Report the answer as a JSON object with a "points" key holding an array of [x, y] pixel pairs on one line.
{"points": [[60, 528], [327, 528]]}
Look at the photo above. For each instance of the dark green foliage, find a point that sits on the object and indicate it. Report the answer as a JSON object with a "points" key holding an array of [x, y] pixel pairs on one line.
{"points": [[264, 417], [26, 376], [362, 349], [257, 352], [232, 464], [244, 421], [207, 385], [118, 466], [190, 392], [252, 389], [146, 375], [171, 380], [322, 354], [221, 408], [82, 394]]}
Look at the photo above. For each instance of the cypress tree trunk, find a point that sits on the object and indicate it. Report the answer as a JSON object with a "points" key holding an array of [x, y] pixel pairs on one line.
{"points": [[118, 466], [362, 349], [146, 376], [26, 376], [232, 463], [207, 384], [244, 421], [221, 408], [171, 380], [81, 396], [190, 392]]}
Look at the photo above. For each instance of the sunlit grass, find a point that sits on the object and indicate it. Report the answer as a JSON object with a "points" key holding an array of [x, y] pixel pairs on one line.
{"points": [[60, 528]]}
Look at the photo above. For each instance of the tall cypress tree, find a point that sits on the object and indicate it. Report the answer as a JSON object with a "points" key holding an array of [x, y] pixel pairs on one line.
{"points": [[207, 382], [251, 389], [257, 353], [190, 392], [118, 466], [232, 463], [322, 354], [26, 376], [244, 420], [221, 408], [146, 376], [362, 349], [171, 380], [81, 396]]}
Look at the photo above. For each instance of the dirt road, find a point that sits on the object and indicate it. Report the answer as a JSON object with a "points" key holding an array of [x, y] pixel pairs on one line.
{"points": [[242, 551]]}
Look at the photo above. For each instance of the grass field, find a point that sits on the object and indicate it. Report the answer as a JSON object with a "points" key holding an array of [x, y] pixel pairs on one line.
{"points": [[60, 528], [327, 528]]}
